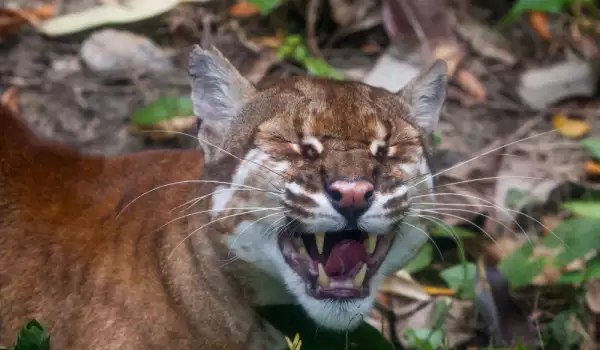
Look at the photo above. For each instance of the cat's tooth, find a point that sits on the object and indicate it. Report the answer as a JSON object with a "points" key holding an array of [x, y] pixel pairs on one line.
{"points": [[371, 243], [302, 250], [359, 279], [323, 279], [320, 240]]}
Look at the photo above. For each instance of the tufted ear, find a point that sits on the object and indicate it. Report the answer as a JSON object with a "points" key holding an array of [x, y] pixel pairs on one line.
{"points": [[426, 93], [219, 91]]}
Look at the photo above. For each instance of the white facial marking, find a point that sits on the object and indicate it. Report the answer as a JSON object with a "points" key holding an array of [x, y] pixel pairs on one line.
{"points": [[324, 217], [381, 131], [375, 146], [375, 220], [313, 142], [296, 147], [221, 199]]}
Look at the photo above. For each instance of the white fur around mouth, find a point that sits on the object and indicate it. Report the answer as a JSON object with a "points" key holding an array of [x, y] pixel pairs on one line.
{"points": [[335, 265]]}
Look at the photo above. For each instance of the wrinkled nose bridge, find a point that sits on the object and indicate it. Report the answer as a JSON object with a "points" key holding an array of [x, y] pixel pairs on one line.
{"points": [[348, 165]]}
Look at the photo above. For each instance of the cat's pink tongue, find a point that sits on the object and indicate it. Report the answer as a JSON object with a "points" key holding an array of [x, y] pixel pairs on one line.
{"points": [[344, 257]]}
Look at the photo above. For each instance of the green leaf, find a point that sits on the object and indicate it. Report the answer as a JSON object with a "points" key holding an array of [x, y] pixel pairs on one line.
{"points": [[592, 268], [572, 277], [551, 6], [593, 145], [33, 337], [516, 199], [291, 319], [460, 278], [436, 139], [573, 239], [522, 6], [521, 267], [443, 230], [423, 338], [561, 329], [265, 6], [421, 260], [586, 209], [162, 109]]}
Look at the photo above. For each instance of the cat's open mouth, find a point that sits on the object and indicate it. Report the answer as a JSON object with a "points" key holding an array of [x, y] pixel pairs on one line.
{"points": [[335, 265]]}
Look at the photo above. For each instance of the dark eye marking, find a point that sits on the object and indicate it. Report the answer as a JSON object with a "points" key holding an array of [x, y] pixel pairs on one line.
{"points": [[379, 149], [309, 147]]}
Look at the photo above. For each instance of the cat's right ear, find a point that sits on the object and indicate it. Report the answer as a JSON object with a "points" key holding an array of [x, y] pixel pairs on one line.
{"points": [[426, 93], [219, 91]]}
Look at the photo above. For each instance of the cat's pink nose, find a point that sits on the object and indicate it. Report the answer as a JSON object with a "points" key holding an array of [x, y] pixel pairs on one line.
{"points": [[351, 194]]}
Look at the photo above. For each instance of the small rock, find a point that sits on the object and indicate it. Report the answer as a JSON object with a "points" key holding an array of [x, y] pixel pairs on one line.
{"points": [[391, 73], [115, 52], [541, 87], [64, 66]]}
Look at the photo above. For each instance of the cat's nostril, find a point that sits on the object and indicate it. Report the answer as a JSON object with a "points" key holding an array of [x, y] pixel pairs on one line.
{"points": [[335, 195], [351, 194]]}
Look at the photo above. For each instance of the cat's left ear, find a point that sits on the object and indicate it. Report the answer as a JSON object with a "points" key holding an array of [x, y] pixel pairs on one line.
{"points": [[219, 90], [425, 94]]}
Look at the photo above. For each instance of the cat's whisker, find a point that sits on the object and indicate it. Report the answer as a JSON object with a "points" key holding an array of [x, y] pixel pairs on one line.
{"points": [[483, 154], [208, 211], [272, 227], [196, 200], [235, 258], [448, 229], [504, 210], [438, 211], [428, 236], [252, 223], [210, 223], [514, 220], [187, 182], [288, 224], [492, 178], [470, 222]]}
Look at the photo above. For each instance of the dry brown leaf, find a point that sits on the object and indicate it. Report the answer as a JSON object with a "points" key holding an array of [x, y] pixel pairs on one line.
{"points": [[243, 9], [584, 44], [10, 98], [592, 168], [472, 85], [172, 128], [575, 265], [401, 284], [570, 127], [592, 295], [451, 53], [33, 16], [11, 19], [549, 275], [575, 32], [369, 48], [261, 67], [272, 42], [504, 246], [539, 22]]}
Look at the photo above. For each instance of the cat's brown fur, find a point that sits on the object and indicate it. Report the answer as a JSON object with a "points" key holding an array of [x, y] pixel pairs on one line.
{"points": [[84, 243], [98, 281]]}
